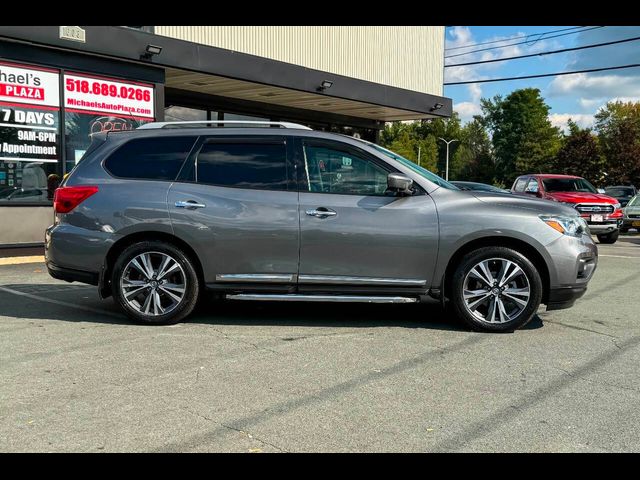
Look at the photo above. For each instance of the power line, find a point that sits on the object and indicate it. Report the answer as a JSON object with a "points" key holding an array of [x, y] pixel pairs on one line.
{"points": [[520, 43], [512, 38], [546, 53], [546, 75]]}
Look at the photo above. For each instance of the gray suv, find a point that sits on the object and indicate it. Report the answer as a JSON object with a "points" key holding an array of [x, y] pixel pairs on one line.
{"points": [[157, 216]]}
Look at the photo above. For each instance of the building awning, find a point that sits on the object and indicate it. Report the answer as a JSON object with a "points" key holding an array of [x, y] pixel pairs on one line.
{"points": [[206, 70], [209, 84]]}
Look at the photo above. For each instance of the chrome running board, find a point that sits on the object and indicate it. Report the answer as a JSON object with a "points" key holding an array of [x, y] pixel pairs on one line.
{"points": [[320, 298]]}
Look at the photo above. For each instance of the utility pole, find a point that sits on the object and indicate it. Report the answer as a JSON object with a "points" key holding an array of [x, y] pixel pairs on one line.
{"points": [[419, 147], [447, 167]]}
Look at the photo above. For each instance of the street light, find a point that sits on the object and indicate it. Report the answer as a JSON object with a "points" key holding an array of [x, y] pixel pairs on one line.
{"points": [[446, 177]]}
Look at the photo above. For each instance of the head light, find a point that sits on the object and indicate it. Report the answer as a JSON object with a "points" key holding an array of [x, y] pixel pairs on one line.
{"points": [[573, 226]]}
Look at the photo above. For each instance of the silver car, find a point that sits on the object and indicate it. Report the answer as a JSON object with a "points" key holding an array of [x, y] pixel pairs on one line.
{"points": [[158, 216]]}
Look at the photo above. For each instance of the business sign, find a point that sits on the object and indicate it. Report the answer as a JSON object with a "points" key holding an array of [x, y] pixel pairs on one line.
{"points": [[105, 95], [28, 134], [22, 84]]}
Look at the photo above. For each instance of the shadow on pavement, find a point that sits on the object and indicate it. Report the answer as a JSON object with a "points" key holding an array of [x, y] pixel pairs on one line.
{"points": [[65, 303]]}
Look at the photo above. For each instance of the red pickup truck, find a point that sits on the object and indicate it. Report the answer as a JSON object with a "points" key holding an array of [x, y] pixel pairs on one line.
{"points": [[602, 213]]}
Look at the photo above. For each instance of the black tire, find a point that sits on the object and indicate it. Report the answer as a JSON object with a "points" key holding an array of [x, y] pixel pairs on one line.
{"points": [[191, 283], [609, 238], [494, 255], [624, 230]]}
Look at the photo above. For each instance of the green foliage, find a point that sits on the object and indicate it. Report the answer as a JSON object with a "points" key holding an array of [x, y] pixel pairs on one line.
{"points": [[618, 128], [406, 139], [514, 136], [524, 141], [580, 155], [473, 161]]}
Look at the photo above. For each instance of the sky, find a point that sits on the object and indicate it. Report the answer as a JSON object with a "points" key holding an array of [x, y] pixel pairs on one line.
{"points": [[576, 96]]}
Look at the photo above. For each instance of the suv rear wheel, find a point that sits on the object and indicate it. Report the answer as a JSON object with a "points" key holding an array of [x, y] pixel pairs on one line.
{"points": [[496, 289], [155, 283], [609, 237]]}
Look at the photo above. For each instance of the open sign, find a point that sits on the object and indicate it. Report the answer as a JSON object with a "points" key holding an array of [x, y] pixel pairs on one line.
{"points": [[110, 124]]}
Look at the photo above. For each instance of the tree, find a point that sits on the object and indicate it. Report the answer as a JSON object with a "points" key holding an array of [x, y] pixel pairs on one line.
{"points": [[406, 139], [618, 127], [447, 128], [473, 159], [524, 141], [580, 155]]}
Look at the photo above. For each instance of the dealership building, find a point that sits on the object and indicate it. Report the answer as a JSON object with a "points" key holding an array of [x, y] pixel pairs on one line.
{"points": [[60, 84]]}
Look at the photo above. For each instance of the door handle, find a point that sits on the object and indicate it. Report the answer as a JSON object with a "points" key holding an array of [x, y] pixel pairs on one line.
{"points": [[189, 204], [321, 212]]}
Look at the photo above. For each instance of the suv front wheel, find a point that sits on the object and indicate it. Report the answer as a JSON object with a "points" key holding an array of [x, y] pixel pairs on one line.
{"points": [[155, 283], [496, 289]]}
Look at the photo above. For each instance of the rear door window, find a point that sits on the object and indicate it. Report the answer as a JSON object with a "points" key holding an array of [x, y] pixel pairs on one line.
{"points": [[157, 158], [243, 163]]}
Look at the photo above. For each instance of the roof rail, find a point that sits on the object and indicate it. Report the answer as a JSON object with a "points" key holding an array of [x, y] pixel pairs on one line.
{"points": [[250, 123]]}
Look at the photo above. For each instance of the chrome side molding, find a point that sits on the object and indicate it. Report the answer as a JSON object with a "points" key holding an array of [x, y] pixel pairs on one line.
{"points": [[320, 298], [256, 277], [343, 280]]}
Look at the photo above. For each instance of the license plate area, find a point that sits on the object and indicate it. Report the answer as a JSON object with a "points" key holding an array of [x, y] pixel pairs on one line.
{"points": [[597, 218]]}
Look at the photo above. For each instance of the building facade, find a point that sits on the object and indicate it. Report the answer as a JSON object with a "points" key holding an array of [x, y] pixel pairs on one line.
{"points": [[60, 84]]}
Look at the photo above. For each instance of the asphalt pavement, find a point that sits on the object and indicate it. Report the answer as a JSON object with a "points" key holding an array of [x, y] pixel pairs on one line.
{"points": [[76, 375]]}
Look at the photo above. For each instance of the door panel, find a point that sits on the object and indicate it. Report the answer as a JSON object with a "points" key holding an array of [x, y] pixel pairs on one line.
{"points": [[374, 237], [353, 232], [243, 222]]}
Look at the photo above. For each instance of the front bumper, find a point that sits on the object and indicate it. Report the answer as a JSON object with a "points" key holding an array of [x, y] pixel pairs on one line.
{"points": [[628, 223], [599, 228], [564, 297], [574, 260]]}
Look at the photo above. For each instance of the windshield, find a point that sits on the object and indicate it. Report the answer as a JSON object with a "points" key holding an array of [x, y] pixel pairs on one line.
{"points": [[634, 202], [568, 185], [619, 191], [415, 167]]}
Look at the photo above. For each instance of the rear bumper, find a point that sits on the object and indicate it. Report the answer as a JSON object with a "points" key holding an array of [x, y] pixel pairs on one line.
{"points": [[72, 275], [560, 298]]}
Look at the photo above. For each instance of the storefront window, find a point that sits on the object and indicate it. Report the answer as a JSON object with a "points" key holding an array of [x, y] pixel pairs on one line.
{"points": [[175, 113], [29, 134], [80, 126], [234, 116], [95, 104]]}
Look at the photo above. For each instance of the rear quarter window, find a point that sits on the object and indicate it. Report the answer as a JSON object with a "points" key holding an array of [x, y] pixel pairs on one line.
{"points": [[154, 158]]}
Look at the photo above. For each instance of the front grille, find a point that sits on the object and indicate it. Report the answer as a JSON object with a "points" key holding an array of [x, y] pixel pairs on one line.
{"points": [[593, 208], [633, 216]]}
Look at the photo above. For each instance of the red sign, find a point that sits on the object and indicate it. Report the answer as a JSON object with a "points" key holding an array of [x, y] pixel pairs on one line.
{"points": [[104, 95], [23, 84]]}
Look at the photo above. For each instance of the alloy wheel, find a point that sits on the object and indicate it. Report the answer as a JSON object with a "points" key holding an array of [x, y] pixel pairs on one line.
{"points": [[496, 290], [153, 283]]}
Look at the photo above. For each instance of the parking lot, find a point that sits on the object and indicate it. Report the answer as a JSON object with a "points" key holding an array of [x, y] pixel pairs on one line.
{"points": [[75, 375]]}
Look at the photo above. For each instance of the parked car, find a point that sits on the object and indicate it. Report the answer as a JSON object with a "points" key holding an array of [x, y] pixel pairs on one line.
{"points": [[481, 187], [157, 216], [631, 213], [602, 212], [622, 193]]}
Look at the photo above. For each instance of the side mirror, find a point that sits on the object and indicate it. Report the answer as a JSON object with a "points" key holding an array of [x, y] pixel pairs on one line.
{"points": [[400, 183], [601, 190]]}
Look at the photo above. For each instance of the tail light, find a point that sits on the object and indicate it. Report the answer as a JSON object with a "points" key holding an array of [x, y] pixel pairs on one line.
{"points": [[66, 199]]}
